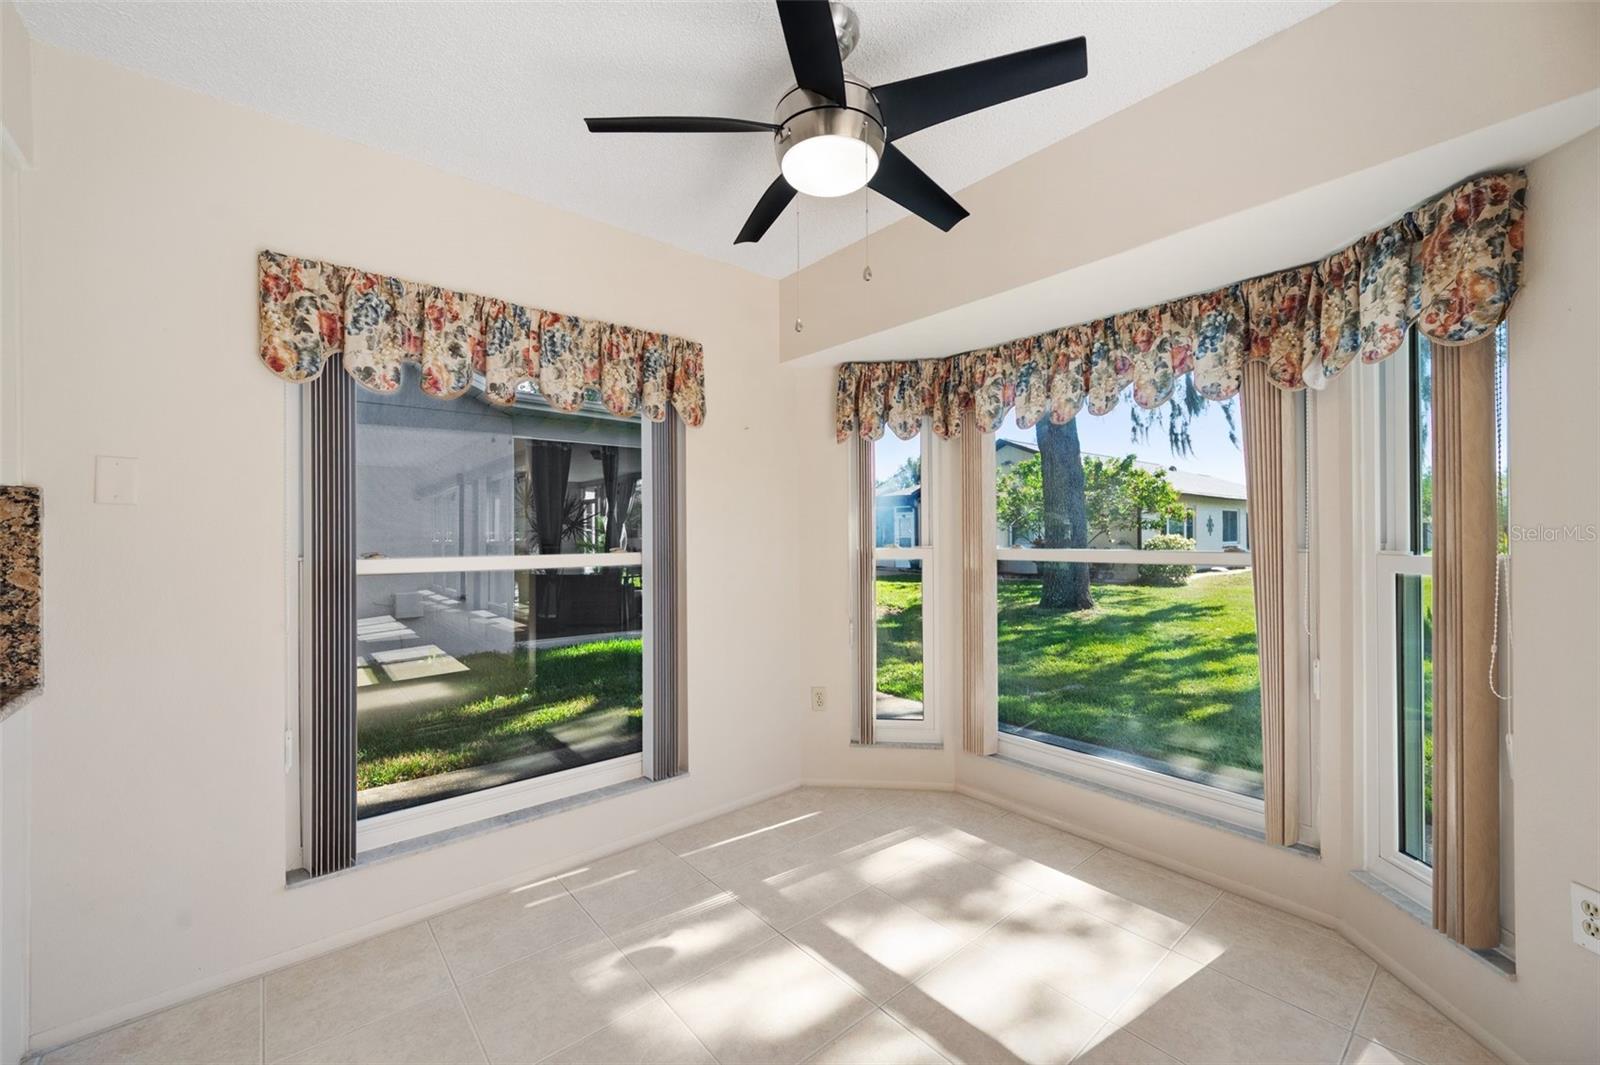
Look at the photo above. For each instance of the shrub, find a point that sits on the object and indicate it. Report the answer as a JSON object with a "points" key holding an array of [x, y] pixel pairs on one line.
{"points": [[1170, 576]]}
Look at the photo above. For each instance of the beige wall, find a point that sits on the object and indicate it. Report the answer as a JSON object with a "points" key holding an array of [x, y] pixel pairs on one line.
{"points": [[159, 819], [1547, 1013], [1551, 1012], [16, 82], [16, 144], [1348, 88], [1555, 455]]}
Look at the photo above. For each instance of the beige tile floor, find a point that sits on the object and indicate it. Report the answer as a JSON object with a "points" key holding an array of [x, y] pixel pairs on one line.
{"points": [[827, 925]]}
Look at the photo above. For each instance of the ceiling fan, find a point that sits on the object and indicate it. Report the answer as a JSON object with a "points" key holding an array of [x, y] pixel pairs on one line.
{"points": [[835, 133]]}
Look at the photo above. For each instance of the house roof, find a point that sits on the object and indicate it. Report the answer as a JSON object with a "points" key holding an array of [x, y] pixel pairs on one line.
{"points": [[1186, 482], [895, 491]]}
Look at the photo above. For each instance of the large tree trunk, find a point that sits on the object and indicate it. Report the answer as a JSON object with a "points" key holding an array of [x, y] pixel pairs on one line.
{"points": [[1066, 523]]}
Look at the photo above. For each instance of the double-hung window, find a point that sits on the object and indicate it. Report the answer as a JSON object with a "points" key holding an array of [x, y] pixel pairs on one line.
{"points": [[1126, 651], [504, 615], [1400, 726], [896, 637]]}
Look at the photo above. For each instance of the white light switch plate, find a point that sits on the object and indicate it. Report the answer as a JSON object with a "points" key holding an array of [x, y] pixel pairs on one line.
{"points": [[116, 480], [1586, 917]]}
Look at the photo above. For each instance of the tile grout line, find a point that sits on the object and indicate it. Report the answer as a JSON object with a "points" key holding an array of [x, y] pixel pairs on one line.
{"points": [[1095, 1040], [1273, 994], [660, 997], [859, 815], [1171, 952], [784, 933], [1191, 927], [1111, 1021], [1351, 1038], [449, 971]]}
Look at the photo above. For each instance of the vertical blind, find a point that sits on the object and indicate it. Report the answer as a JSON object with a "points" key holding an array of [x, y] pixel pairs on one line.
{"points": [[328, 643]]}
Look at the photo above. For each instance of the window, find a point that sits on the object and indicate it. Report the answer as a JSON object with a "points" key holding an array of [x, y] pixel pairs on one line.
{"points": [[1230, 527], [895, 656], [502, 607], [1122, 656], [1404, 580], [1401, 741]]}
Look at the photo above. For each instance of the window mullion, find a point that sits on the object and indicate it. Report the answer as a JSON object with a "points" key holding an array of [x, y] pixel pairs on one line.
{"points": [[497, 563]]}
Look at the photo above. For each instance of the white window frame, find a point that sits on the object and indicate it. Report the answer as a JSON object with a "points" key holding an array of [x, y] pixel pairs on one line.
{"points": [[887, 730], [1386, 473], [1238, 524], [1242, 811], [384, 830]]}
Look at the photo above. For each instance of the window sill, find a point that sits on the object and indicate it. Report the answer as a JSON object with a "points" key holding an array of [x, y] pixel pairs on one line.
{"points": [[428, 818], [1147, 801], [1423, 915], [903, 745], [1132, 782], [434, 840]]}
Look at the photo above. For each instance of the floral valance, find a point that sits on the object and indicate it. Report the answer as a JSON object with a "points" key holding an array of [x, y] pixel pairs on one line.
{"points": [[1451, 267], [313, 312]]}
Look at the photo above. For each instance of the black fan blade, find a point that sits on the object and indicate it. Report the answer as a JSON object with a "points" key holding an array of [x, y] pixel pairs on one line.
{"points": [[920, 102], [904, 182], [677, 124], [813, 48], [773, 201]]}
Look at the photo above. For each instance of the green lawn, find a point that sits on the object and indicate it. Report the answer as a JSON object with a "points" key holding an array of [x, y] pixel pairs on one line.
{"points": [[1167, 673], [504, 706], [900, 635]]}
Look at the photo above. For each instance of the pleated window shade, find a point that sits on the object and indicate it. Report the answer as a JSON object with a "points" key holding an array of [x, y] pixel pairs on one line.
{"points": [[669, 653], [1466, 767], [864, 726], [1269, 479], [979, 722], [328, 626]]}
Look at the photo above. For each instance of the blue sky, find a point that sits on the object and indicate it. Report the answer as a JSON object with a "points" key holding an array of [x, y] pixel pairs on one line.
{"points": [[1112, 434]]}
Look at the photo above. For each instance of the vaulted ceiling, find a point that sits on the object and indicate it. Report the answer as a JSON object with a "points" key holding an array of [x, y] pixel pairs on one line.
{"points": [[497, 92]]}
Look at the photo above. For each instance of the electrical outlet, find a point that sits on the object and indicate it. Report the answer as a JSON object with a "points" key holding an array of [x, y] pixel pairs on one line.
{"points": [[1586, 917], [819, 698]]}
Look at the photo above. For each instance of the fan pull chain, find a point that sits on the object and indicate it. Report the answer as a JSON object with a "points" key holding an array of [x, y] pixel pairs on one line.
{"points": [[866, 223], [1499, 566], [799, 324]]}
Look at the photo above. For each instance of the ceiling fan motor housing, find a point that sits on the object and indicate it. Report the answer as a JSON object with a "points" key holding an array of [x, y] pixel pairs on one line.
{"points": [[805, 115]]}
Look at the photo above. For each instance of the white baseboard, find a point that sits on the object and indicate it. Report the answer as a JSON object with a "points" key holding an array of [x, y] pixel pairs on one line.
{"points": [[886, 785], [1437, 1001], [1249, 891], [49, 1039]]}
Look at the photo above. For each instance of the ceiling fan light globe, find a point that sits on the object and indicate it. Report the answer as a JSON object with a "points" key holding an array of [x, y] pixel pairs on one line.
{"points": [[829, 165]]}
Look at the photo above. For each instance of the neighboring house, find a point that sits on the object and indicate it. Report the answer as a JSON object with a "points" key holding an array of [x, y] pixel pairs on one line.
{"points": [[1216, 518], [898, 515]]}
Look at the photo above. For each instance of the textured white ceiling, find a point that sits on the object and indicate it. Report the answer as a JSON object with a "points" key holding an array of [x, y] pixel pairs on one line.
{"points": [[497, 91]]}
